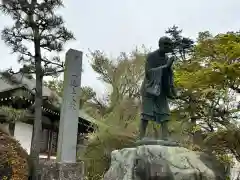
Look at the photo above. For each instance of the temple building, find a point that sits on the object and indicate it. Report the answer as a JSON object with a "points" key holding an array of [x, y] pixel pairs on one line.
{"points": [[17, 91]]}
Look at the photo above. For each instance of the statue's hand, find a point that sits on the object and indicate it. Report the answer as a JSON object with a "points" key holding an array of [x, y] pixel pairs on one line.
{"points": [[170, 61], [171, 97], [172, 93]]}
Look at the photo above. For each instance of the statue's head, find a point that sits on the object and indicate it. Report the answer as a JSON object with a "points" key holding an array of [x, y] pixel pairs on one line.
{"points": [[165, 44]]}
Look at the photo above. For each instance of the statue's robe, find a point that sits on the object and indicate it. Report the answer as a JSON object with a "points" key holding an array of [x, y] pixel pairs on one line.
{"points": [[156, 107]]}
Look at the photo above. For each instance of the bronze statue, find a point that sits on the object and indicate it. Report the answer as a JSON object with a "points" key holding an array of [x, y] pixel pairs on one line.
{"points": [[157, 87]]}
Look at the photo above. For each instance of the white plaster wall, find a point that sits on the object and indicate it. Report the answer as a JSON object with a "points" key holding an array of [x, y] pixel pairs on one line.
{"points": [[23, 133], [4, 127]]}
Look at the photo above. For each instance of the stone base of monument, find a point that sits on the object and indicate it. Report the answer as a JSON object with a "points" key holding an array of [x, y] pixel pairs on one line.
{"points": [[62, 171], [162, 162]]}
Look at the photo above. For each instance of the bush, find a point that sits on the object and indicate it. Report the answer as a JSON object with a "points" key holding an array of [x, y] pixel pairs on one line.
{"points": [[13, 159], [97, 155], [225, 140]]}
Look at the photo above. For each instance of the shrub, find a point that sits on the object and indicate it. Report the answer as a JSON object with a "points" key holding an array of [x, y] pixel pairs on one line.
{"points": [[13, 159], [97, 155]]}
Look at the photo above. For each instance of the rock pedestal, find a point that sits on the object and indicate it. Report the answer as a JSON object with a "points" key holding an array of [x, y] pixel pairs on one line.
{"points": [[159, 162], [62, 171]]}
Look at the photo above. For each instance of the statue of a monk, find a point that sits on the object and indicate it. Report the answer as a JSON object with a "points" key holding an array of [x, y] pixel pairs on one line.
{"points": [[157, 87]]}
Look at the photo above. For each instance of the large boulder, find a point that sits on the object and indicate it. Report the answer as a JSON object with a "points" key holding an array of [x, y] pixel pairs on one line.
{"points": [[13, 159], [159, 162], [235, 170]]}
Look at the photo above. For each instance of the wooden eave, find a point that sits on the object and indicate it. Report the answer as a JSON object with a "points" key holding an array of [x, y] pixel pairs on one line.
{"points": [[49, 108]]}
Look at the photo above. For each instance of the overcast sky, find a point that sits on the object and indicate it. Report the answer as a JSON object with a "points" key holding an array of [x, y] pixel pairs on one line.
{"points": [[120, 25]]}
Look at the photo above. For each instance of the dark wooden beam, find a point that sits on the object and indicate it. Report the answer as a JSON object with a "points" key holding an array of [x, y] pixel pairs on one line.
{"points": [[12, 128], [49, 144]]}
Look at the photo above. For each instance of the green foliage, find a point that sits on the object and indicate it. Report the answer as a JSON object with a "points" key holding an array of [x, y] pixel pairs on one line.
{"points": [[225, 140], [220, 54], [35, 22], [88, 98], [209, 81], [55, 85], [120, 112], [13, 115], [97, 155], [182, 45], [123, 75]]}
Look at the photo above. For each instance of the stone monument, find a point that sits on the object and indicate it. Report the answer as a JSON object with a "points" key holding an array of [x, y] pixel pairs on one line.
{"points": [[70, 108], [66, 166], [161, 158]]}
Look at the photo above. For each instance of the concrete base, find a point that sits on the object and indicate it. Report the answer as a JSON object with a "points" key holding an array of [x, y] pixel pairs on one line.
{"points": [[62, 171]]}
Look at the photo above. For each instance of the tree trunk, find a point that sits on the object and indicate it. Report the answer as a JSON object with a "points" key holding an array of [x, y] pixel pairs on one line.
{"points": [[11, 128], [50, 144], [35, 146]]}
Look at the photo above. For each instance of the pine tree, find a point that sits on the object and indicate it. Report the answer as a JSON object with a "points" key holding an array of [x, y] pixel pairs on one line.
{"points": [[36, 23]]}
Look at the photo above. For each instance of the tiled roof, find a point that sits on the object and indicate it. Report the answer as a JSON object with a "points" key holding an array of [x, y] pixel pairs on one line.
{"points": [[84, 115], [4, 85], [30, 85]]}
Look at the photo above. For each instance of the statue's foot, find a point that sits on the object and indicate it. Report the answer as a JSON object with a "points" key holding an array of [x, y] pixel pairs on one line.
{"points": [[138, 139], [166, 139], [169, 140]]}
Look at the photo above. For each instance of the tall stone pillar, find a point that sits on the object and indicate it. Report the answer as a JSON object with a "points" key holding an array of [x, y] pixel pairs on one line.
{"points": [[66, 167]]}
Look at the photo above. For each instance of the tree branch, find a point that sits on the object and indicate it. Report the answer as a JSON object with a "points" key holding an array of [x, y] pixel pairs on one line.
{"points": [[53, 73], [54, 63]]}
